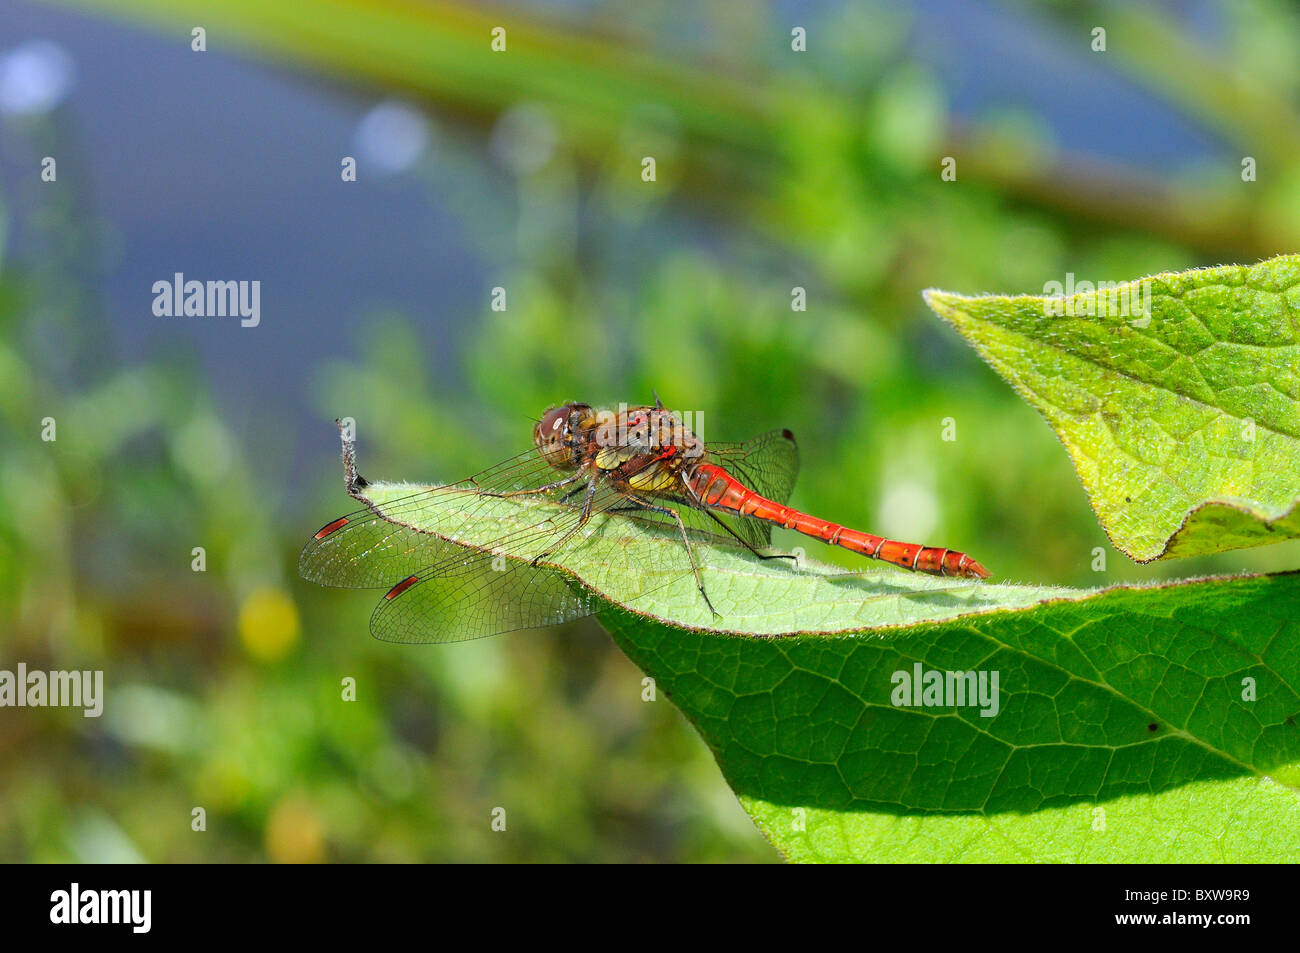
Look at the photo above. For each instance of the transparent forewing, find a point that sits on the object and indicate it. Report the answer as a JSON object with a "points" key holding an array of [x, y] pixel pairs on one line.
{"points": [[373, 548], [368, 552]]}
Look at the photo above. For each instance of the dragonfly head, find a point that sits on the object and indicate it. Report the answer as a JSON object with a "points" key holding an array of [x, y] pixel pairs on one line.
{"points": [[557, 434]]}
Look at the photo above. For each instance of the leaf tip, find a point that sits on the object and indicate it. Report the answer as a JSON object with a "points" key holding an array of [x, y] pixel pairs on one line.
{"points": [[943, 303]]}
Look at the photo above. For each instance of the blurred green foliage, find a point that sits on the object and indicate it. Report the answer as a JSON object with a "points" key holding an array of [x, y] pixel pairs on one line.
{"points": [[775, 171]]}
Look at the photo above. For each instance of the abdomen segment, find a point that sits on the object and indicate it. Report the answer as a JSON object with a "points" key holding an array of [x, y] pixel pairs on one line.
{"points": [[714, 486]]}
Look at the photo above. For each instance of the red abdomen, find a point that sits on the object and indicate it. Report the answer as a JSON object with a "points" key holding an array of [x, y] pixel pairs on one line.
{"points": [[714, 486]]}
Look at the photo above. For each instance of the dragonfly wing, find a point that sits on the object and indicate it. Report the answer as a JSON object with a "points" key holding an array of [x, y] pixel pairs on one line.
{"points": [[440, 590], [768, 464], [365, 551], [373, 547], [475, 594]]}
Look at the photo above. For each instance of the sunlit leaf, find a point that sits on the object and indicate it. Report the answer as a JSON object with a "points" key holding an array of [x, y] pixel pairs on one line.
{"points": [[1149, 723], [1134, 725], [1177, 396]]}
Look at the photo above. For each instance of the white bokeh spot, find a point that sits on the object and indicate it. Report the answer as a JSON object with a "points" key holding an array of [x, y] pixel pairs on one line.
{"points": [[392, 137], [35, 76]]}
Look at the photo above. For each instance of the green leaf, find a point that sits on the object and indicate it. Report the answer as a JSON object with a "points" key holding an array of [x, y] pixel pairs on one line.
{"points": [[1177, 396], [1122, 732], [806, 729]]}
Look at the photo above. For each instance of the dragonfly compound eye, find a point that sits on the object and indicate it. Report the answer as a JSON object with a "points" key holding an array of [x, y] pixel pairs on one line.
{"points": [[555, 433], [551, 432]]}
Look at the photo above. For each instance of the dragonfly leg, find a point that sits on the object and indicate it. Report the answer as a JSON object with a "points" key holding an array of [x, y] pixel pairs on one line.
{"points": [[582, 520], [744, 542], [699, 583]]}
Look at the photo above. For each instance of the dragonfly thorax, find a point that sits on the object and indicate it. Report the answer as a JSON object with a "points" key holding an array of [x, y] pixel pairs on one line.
{"points": [[644, 431]]}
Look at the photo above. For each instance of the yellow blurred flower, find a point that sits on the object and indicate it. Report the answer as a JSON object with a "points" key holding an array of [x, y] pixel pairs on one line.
{"points": [[268, 624], [295, 833]]}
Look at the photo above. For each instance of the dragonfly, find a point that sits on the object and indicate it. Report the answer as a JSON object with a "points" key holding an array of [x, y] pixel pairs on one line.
{"points": [[643, 463]]}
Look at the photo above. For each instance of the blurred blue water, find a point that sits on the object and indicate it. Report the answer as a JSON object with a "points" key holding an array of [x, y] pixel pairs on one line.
{"points": [[222, 167]]}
